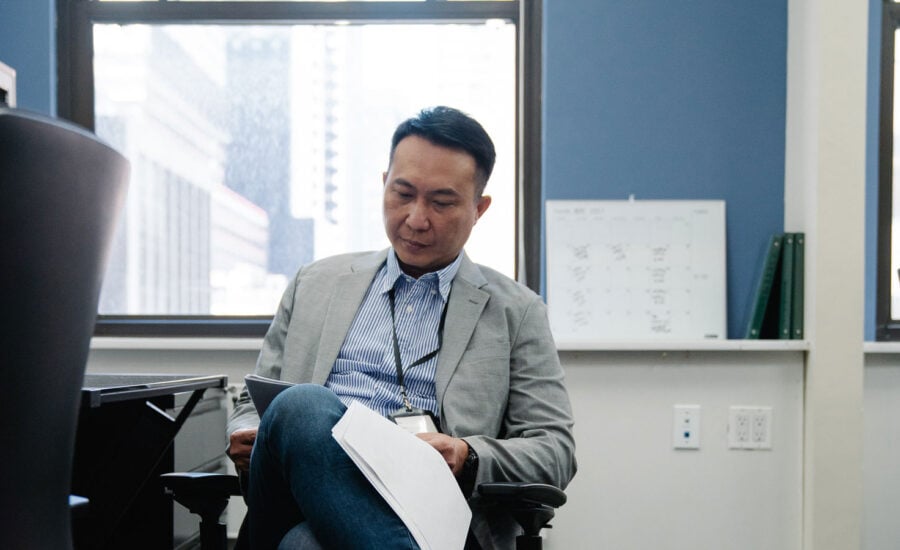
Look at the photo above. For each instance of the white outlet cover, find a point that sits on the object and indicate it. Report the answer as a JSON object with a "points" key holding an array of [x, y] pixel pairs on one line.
{"points": [[686, 427], [749, 427]]}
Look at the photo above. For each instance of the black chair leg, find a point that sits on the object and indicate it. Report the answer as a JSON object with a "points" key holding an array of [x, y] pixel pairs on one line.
{"points": [[532, 505], [532, 518], [207, 496], [529, 542], [213, 533]]}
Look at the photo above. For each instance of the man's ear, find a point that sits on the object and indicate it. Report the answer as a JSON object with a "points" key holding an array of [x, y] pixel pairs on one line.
{"points": [[384, 178], [482, 205]]}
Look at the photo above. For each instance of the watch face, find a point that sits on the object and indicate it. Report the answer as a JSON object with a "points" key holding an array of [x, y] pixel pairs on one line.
{"points": [[471, 459]]}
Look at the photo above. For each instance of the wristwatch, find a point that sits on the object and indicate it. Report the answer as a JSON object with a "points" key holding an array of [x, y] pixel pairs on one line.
{"points": [[470, 466], [468, 473]]}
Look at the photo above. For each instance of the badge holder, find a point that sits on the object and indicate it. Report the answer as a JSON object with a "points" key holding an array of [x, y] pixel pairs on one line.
{"points": [[416, 421]]}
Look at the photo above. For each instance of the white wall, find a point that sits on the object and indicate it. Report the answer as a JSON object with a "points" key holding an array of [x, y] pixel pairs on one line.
{"points": [[232, 357], [632, 490], [881, 449]]}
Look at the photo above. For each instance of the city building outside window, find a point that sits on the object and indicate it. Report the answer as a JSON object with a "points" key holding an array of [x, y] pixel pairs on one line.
{"points": [[258, 148]]}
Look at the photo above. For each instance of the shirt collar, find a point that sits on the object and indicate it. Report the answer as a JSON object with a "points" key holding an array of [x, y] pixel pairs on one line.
{"points": [[444, 275]]}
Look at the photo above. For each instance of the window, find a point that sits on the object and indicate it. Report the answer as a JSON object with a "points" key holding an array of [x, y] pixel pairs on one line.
{"points": [[888, 275], [258, 133]]}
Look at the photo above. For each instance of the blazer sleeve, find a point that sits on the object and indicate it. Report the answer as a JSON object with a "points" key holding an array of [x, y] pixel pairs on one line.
{"points": [[269, 363], [535, 443]]}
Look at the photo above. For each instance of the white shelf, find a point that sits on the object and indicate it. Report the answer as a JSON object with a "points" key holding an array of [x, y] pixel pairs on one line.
{"points": [[685, 345]]}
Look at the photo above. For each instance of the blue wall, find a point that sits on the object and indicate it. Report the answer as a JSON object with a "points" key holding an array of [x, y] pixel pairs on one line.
{"points": [[28, 45], [672, 100], [872, 106]]}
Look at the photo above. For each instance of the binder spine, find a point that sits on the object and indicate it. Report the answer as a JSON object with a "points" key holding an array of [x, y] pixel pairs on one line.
{"points": [[797, 294], [765, 284], [787, 288]]}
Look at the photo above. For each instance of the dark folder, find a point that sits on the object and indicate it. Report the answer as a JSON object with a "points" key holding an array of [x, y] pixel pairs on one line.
{"points": [[786, 306], [797, 295], [763, 315]]}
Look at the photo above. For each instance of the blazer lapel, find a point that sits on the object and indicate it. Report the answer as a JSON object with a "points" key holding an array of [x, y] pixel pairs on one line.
{"points": [[350, 290], [467, 301]]}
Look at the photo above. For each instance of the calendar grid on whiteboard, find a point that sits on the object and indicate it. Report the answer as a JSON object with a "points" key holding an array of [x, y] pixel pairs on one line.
{"points": [[636, 270]]}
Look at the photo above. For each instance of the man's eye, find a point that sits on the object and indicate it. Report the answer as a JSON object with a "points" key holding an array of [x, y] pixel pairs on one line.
{"points": [[442, 204]]}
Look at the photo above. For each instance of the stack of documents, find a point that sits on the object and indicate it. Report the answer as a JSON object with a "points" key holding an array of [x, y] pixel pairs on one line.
{"points": [[409, 474]]}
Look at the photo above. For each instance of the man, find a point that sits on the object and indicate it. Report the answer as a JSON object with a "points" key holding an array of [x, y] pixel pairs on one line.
{"points": [[415, 327]]}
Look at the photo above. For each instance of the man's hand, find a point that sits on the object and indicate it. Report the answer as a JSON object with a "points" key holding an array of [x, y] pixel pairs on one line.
{"points": [[452, 449], [240, 445]]}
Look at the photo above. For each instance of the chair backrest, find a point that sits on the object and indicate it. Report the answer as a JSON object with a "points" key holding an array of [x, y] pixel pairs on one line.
{"points": [[60, 193]]}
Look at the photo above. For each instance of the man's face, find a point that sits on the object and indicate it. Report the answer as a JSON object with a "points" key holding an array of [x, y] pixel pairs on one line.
{"points": [[430, 205]]}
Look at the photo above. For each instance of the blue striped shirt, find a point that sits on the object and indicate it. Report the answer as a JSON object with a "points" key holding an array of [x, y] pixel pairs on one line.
{"points": [[365, 369]]}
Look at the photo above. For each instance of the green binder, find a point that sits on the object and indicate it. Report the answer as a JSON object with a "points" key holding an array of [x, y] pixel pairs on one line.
{"points": [[786, 306], [797, 294], [763, 318]]}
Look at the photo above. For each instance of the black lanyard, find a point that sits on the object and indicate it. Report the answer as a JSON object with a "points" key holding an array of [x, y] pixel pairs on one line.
{"points": [[424, 359]]}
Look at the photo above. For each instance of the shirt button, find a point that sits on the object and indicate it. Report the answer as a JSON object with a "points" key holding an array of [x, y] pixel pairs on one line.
{"points": [[409, 309]]}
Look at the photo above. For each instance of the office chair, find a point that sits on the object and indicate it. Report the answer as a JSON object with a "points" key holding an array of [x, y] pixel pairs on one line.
{"points": [[206, 494], [60, 192]]}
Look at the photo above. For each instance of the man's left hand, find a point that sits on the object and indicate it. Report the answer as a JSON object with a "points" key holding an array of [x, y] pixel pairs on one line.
{"points": [[452, 449]]}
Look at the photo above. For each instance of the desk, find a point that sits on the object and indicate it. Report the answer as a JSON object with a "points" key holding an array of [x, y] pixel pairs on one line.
{"points": [[126, 428]]}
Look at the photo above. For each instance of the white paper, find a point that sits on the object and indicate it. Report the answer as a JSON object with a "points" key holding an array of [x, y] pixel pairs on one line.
{"points": [[409, 474]]}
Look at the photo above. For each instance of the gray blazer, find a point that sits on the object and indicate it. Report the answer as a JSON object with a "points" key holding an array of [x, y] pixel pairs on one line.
{"points": [[499, 384]]}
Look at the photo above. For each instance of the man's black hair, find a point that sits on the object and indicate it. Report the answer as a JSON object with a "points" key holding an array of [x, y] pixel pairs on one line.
{"points": [[449, 127]]}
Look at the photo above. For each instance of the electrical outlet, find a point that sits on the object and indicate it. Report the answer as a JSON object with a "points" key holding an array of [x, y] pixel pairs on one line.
{"points": [[739, 419], [686, 427], [749, 427], [761, 428]]}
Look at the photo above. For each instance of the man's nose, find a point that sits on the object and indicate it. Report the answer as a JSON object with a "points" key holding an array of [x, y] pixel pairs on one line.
{"points": [[417, 219]]}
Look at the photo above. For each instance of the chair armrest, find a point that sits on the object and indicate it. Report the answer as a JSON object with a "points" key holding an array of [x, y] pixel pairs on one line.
{"points": [[207, 484], [531, 504], [523, 493]]}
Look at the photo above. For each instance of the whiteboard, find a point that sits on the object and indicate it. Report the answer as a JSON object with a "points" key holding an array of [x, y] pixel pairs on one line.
{"points": [[636, 270]]}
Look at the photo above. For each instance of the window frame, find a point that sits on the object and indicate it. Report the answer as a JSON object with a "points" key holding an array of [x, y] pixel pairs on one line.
{"points": [[886, 327], [76, 103]]}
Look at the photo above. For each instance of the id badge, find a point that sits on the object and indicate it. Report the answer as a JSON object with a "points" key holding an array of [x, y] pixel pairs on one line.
{"points": [[415, 421]]}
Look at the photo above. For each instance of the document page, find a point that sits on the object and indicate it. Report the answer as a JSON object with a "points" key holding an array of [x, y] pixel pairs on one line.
{"points": [[409, 474]]}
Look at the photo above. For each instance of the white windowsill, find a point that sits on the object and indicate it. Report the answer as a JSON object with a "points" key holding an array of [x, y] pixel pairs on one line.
{"points": [[881, 347], [254, 344], [187, 344]]}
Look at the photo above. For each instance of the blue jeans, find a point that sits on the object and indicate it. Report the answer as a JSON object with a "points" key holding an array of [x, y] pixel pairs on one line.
{"points": [[303, 486]]}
